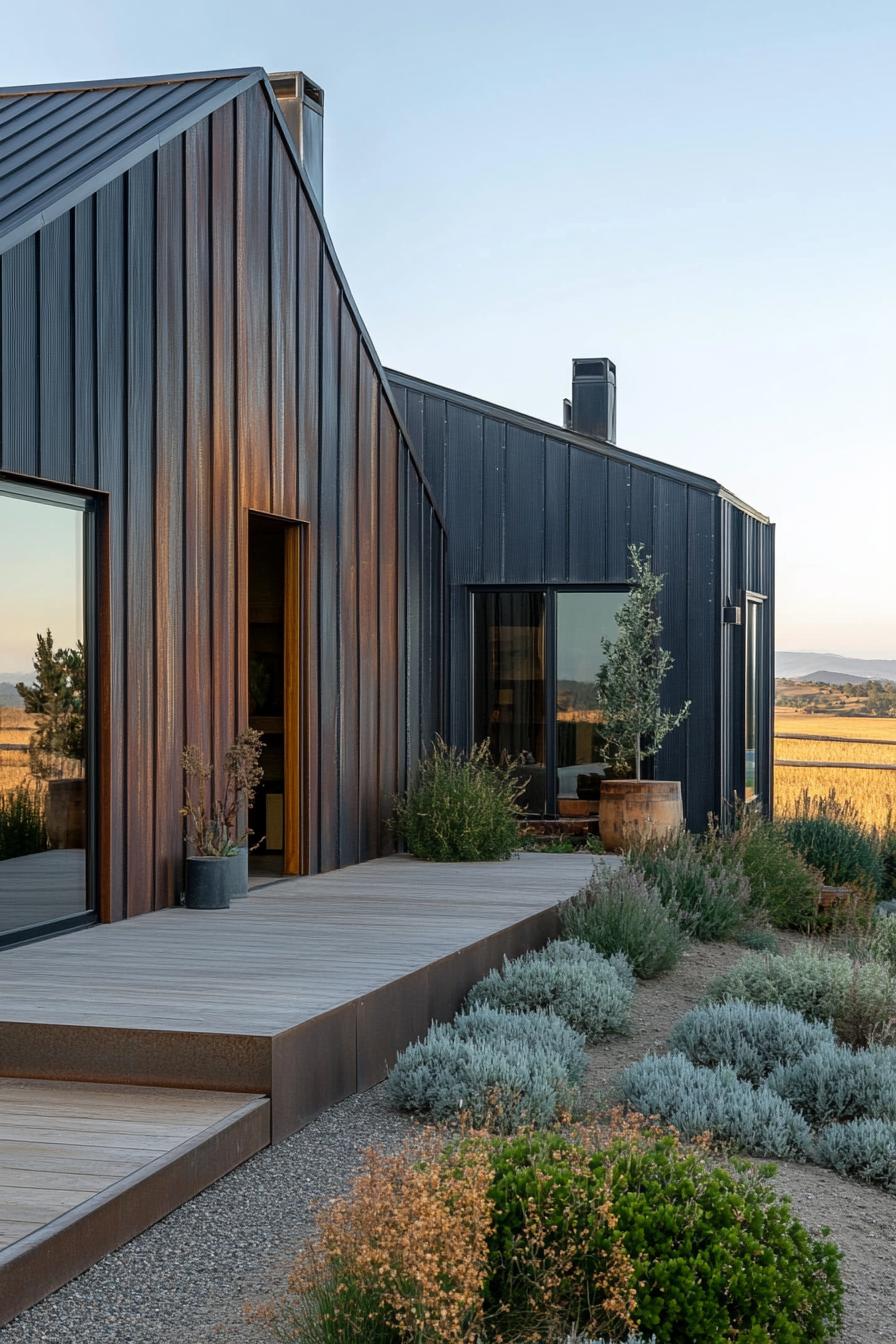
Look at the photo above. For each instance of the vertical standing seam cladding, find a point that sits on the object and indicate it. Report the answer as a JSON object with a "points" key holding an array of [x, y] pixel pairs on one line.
{"points": [[181, 341], [524, 504]]}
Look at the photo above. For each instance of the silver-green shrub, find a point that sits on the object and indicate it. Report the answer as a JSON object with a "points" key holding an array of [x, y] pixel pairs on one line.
{"points": [[751, 1039], [618, 912], [696, 1100], [493, 1068], [858, 997], [836, 1083], [592, 993], [863, 1149]]}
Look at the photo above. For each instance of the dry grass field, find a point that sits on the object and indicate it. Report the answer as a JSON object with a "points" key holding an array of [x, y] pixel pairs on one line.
{"points": [[16, 728], [872, 791]]}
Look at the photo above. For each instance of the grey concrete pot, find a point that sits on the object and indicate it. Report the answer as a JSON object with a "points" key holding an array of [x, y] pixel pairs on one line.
{"points": [[210, 881], [241, 875]]}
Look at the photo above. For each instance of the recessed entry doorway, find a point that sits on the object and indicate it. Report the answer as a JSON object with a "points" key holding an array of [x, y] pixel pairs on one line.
{"points": [[274, 647]]}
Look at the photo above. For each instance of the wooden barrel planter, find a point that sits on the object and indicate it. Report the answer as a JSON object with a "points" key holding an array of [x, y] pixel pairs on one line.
{"points": [[632, 808], [65, 810]]}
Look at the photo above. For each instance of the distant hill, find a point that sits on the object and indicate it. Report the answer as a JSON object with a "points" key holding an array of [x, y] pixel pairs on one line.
{"points": [[804, 667], [9, 696], [834, 679]]}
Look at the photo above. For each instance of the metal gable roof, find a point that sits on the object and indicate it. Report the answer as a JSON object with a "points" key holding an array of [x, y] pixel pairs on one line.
{"points": [[60, 143], [559, 434]]}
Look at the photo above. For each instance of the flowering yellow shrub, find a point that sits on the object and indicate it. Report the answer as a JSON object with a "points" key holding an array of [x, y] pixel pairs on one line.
{"points": [[403, 1257]]}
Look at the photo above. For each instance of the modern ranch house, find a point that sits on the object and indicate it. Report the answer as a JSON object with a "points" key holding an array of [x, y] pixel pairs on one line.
{"points": [[217, 508]]}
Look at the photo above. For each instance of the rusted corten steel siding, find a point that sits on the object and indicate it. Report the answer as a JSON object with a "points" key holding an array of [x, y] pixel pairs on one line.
{"points": [[526, 503], [182, 343]]}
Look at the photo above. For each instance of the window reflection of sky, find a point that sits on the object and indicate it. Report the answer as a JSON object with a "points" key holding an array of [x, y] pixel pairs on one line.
{"points": [[41, 578]]}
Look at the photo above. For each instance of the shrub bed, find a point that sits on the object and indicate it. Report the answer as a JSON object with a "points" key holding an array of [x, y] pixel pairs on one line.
{"points": [[698, 1101], [460, 807], [591, 992], [706, 1253], [882, 941], [751, 1039], [859, 998], [618, 912], [832, 838], [492, 1069], [549, 1235], [783, 888], [22, 828], [704, 886], [863, 1149], [835, 1084]]}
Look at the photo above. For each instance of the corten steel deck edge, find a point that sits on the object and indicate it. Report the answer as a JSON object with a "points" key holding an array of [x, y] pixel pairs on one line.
{"points": [[305, 1068], [91, 1054], [40, 1263], [351, 1048]]}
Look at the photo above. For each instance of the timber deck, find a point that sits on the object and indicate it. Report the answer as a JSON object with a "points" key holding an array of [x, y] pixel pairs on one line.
{"points": [[212, 1033], [84, 1167]]}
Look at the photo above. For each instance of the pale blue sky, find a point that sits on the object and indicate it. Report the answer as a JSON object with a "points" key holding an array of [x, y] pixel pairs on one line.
{"points": [[703, 191]]}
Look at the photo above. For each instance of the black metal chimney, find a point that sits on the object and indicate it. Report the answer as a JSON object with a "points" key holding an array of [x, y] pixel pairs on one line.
{"points": [[594, 398], [302, 104]]}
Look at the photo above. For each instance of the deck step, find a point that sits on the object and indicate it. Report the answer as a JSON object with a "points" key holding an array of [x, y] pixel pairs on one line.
{"points": [[84, 1167]]}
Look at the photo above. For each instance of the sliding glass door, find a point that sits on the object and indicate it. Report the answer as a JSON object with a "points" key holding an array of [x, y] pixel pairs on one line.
{"points": [[45, 767], [536, 657], [584, 620], [509, 676]]}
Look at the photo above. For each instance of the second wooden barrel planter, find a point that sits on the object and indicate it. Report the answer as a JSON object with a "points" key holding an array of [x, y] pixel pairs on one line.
{"points": [[632, 808]]}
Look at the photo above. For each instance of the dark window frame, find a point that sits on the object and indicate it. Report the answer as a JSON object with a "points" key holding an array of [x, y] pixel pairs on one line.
{"points": [[760, 797], [86, 505], [549, 592]]}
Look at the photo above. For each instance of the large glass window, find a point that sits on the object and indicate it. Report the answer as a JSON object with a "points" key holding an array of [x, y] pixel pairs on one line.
{"points": [[752, 642], [584, 620], [509, 685], [536, 658], [44, 765]]}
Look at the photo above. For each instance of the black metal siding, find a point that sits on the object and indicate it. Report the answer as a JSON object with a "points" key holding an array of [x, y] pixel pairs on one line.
{"points": [[524, 506]]}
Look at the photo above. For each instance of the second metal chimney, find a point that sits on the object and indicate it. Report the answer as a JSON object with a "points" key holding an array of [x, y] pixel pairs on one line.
{"points": [[302, 104], [594, 398]]}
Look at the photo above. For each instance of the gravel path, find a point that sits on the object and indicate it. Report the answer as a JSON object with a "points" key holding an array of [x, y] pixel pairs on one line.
{"points": [[188, 1279]]}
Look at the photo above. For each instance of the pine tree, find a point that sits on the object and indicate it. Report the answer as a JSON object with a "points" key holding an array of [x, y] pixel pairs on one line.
{"points": [[628, 685], [57, 698]]}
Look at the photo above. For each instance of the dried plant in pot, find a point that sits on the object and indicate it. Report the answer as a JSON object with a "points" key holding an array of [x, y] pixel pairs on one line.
{"points": [[217, 868], [633, 722]]}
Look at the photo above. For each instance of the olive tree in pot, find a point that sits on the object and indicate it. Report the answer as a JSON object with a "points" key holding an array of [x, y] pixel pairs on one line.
{"points": [[634, 724], [217, 869]]}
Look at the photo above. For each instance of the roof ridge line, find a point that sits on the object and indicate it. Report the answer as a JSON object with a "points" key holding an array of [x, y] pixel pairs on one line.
{"points": [[135, 81]]}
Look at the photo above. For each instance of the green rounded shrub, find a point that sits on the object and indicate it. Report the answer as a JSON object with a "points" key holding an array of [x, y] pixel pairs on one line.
{"points": [[696, 1101], [859, 998], [618, 912], [832, 838], [701, 883], [592, 993], [782, 885], [751, 1039], [862, 1149], [834, 1083], [460, 807], [494, 1069], [717, 1255]]}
